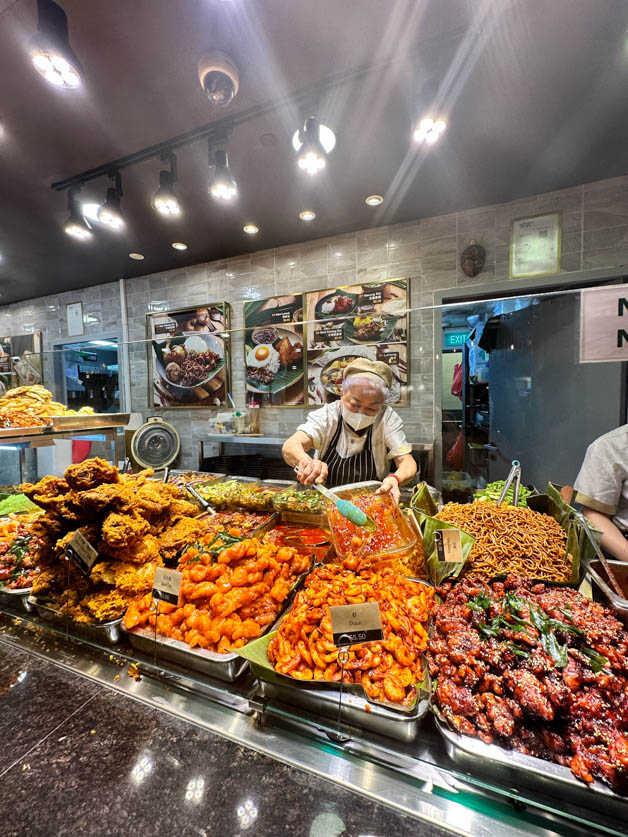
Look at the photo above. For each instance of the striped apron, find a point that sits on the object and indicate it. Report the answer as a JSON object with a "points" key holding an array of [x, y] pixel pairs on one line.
{"points": [[359, 467]]}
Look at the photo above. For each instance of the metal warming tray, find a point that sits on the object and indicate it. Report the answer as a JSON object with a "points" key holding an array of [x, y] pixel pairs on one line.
{"points": [[14, 432], [514, 769], [226, 667], [108, 633], [89, 422], [17, 598], [356, 710], [620, 571]]}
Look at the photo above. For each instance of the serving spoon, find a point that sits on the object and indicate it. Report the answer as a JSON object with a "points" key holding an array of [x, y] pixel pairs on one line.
{"points": [[348, 510]]}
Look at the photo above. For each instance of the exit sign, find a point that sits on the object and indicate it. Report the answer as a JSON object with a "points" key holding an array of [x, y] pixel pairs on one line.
{"points": [[455, 339], [604, 324]]}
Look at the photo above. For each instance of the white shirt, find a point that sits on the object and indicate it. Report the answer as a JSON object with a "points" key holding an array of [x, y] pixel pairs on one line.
{"points": [[602, 483], [388, 437]]}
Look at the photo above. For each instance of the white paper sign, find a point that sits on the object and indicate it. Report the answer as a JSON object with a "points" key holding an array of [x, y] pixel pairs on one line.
{"points": [[535, 246], [604, 324], [167, 585]]}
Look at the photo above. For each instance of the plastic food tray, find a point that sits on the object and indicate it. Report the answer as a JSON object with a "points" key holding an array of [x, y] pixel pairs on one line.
{"points": [[596, 572], [108, 633], [517, 770], [347, 492], [17, 598]]}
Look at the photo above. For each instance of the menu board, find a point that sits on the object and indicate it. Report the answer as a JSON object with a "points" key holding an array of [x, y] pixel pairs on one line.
{"points": [[189, 357], [274, 351], [367, 320]]}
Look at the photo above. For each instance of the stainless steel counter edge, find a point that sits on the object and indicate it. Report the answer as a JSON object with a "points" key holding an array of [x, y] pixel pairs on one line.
{"points": [[233, 438], [411, 796]]}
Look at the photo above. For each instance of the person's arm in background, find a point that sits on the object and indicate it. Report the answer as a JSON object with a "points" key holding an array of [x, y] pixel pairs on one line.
{"points": [[295, 452], [613, 541], [406, 469]]}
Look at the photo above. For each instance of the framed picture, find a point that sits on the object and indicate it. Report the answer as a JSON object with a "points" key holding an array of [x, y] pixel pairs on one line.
{"points": [[189, 358], [74, 313], [274, 351], [535, 246]]}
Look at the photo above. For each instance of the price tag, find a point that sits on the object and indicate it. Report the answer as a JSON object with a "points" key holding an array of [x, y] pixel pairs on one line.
{"points": [[448, 545], [329, 332], [281, 316], [167, 585], [352, 624], [390, 358], [369, 299], [80, 550], [165, 328]]}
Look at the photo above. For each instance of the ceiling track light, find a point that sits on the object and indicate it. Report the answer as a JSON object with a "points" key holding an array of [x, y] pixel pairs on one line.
{"points": [[222, 185], [50, 49], [429, 130], [313, 143], [109, 212], [165, 200], [76, 225]]}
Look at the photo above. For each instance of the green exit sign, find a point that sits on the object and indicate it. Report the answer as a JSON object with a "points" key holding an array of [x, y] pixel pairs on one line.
{"points": [[455, 339]]}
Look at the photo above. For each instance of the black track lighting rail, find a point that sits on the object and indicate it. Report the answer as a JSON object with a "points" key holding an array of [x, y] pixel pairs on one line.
{"points": [[218, 130]]}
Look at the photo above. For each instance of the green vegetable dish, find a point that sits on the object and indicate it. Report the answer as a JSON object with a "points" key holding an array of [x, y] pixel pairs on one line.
{"points": [[493, 491], [299, 500]]}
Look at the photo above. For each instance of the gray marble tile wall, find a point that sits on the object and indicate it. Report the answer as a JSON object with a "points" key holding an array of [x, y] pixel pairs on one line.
{"points": [[594, 235]]}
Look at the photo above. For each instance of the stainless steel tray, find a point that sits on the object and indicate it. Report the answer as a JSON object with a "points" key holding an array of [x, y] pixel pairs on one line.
{"points": [[17, 598], [226, 667], [13, 432], [356, 710], [108, 633], [512, 768], [87, 422], [615, 602]]}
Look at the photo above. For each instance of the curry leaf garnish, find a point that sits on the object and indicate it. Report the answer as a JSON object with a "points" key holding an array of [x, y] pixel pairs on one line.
{"points": [[595, 660], [517, 649], [481, 602], [556, 651]]}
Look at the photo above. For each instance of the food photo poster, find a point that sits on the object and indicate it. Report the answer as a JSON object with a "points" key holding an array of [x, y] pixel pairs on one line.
{"points": [[189, 356]]}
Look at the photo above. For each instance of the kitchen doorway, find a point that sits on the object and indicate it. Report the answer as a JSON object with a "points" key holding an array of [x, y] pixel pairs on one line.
{"points": [[87, 374]]}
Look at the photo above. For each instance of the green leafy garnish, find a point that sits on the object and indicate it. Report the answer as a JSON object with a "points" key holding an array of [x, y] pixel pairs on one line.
{"points": [[597, 661], [556, 651], [480, 603], [517, 649]]}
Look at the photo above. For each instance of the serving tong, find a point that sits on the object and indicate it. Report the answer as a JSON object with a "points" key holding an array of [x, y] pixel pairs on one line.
{"points": [[596, 547], [211, 511], [515, 474], [352, 513]]}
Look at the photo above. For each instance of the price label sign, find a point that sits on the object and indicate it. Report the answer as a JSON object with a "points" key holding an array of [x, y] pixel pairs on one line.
{"points": [[167, 585], [328, 333], [369, 299], [353, 624], [281, 316], [448, 545], [80, 550], [390, 358], [165, 328]]}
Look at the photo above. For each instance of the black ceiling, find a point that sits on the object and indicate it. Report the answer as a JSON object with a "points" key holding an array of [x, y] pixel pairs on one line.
{"points": [[535, 95]]}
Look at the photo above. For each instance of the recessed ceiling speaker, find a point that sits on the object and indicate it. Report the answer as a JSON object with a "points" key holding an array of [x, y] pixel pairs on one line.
{"points": [[156, 444], [219, 76]]}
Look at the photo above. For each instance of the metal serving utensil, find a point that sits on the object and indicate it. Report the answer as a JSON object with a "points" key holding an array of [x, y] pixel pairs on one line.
{"points": [[199, 499], [600, 555], [515, 474], [346, 509]]}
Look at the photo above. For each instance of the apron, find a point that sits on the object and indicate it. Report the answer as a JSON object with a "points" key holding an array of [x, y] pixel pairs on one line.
{"points": [[359, 467]]}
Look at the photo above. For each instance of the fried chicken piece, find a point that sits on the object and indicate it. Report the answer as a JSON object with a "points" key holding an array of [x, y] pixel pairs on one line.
{"points": [[137, 479], [120, 530], [141, 551], [152, 498], [135, 580], [90, 473], [45, 489], [105, 572], [185, 531], [105, 606], [181, 508], [48, 579], [103, 497]]}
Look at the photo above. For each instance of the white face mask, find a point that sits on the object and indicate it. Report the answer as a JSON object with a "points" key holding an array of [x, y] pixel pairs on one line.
{"points": [[357, 421]]}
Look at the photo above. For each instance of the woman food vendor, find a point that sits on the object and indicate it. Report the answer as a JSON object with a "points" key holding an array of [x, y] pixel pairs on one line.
{"points": [[602, 488], [354, 438]]}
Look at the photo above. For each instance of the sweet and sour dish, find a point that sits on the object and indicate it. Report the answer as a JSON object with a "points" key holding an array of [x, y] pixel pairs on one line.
{"points": [[227, 596], [390, 671], [538, 669], [124, 517]]}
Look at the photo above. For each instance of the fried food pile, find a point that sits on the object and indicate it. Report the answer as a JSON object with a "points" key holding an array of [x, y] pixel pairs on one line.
{"points": [[32, 407], [539, 669], [124, 517], [389, 671], [226, 598], [511, 539]]}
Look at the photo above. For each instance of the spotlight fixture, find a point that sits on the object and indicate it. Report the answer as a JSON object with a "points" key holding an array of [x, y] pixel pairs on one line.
{"points": [[307, 215], [109, 212], [374, 200], [165, 200], [179, 245], [429, 130], [50, 49], [76, 225], [250, 229], [137, 256], [222, 186], [313, 143]]}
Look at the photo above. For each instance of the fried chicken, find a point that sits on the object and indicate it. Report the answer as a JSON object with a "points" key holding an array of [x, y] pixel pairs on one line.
{"points": [[46, 488], [185, 531], [90, 473], [105, 606], [141, 551], [120, 530]]}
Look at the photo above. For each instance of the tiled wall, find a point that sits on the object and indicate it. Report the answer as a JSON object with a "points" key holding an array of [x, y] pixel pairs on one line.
{"points": [[594, 234]]}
